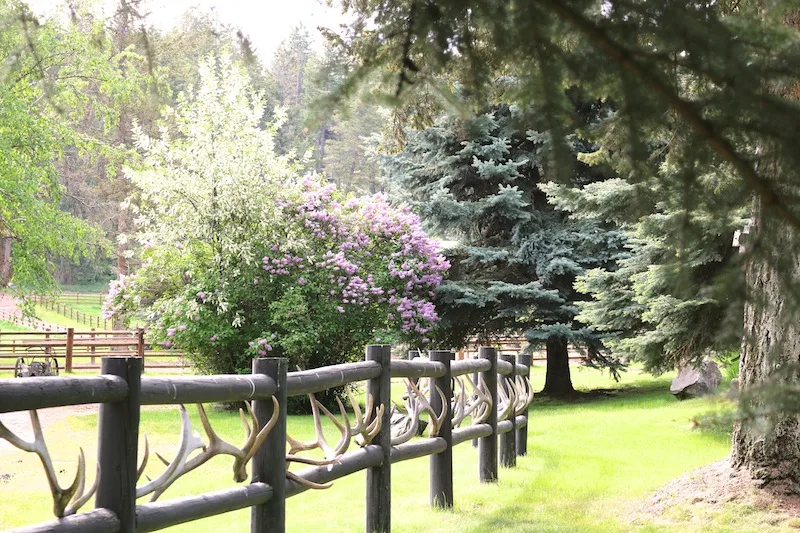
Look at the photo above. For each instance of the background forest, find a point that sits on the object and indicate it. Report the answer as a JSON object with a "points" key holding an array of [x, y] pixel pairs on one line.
{"points": [[614, 179]]}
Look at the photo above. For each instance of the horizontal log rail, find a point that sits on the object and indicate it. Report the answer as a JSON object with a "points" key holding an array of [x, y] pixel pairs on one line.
{"points": [[160, 515], [420, 448], [97, 521], [416, 369], [469, 366], [204, 389], [43, 392], [121, 391], [320, 379], [348, 464]]}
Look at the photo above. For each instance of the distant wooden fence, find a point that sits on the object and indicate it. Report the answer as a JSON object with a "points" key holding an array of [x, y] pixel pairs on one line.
{"points": [[80, 350], [82, 297], [500, 431], [25, 321], [514, 345], [67, 311]]}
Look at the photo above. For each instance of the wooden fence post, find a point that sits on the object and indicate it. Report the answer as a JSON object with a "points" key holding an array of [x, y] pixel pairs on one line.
{"points": [[140, 345], [522, 431], [269, 462], [92, 349], [476, 382], [70, 343], [118, 440], [441, 464], [487, 446], [379, 478], [508, 454], [413, 354], [47, 349]]}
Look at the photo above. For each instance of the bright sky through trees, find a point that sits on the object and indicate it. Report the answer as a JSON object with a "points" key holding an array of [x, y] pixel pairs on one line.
{"points": [[266, 24]]}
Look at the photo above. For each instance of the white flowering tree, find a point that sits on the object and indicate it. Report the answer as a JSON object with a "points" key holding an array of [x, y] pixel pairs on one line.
{"points": [[241, 258], [212, 177]]}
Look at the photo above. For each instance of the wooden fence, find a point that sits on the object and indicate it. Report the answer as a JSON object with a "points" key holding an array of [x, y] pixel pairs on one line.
{"points": [[499, 424], [67, 311], [515, 345], [82, 297], [81, 350], [19, 319]]}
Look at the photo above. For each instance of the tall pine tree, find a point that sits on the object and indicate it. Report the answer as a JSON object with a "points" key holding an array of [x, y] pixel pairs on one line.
{"points": [[475, 180]]}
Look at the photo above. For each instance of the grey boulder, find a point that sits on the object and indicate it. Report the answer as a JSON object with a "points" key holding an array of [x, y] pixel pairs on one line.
{"points": [[692, 382]]}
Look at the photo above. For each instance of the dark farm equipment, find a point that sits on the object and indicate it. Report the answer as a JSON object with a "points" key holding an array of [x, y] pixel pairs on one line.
{"points": [[48, 366]]}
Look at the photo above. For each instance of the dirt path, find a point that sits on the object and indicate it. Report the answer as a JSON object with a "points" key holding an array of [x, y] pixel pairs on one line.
{"points": [[9, 311], [19, 422]]}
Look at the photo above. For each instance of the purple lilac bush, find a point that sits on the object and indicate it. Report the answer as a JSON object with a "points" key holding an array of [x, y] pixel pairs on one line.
{"points": [[338, 273]]}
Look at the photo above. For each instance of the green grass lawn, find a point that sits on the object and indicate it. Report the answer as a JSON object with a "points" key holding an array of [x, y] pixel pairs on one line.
{"points": [[53, 317], [94, 286], [8, 327], [88, 308], [589, 466]]}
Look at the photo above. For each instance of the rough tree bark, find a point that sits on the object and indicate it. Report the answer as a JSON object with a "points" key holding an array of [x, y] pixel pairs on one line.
{"points": [[5, 260], [771, 341], [772, 337], [558, 381]]}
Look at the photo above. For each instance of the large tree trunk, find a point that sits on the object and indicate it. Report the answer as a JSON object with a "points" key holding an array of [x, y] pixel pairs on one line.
{"points": [[771, 342], [5, 260], [557, 381]]}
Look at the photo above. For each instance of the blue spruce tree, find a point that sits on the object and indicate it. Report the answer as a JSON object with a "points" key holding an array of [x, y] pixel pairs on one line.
{"points": [[476, 180]]}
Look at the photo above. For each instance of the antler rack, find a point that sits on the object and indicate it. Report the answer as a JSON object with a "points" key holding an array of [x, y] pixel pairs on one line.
{"points": [[365, 430], [190, 441], [416, 403], [66, 501], [477, 404]]}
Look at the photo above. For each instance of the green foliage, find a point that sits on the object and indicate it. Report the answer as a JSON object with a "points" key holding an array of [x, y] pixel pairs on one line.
{"points": [[700, 66], [676, 295], [44, 71], [241, 258], [474, 181]]}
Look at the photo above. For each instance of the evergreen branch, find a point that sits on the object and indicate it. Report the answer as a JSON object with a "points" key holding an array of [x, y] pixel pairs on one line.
{"points": [[694, 119]]}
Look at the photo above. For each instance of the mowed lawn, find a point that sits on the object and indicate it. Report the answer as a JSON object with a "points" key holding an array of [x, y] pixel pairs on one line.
{"points": [[590, 466]]}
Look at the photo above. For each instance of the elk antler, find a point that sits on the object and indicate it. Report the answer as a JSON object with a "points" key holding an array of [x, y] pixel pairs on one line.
{"points": [[331, 453], [479, 403], [505, 405], [366, 428], [524, 393], [65, 501], [413, 410], [191, 441], [436, 421]]}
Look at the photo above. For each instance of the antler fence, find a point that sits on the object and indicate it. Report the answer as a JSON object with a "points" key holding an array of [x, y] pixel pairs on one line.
{"points": [[493, 393]]}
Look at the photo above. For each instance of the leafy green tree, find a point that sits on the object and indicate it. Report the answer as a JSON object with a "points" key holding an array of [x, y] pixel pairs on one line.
{"points": [[45, 70], [670, 301], [119, 83], [722, 73], [475, 181]]}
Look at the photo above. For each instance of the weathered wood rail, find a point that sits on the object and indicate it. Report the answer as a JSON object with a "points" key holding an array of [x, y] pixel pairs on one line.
{"points": [[81, 350], [121, 389]]}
